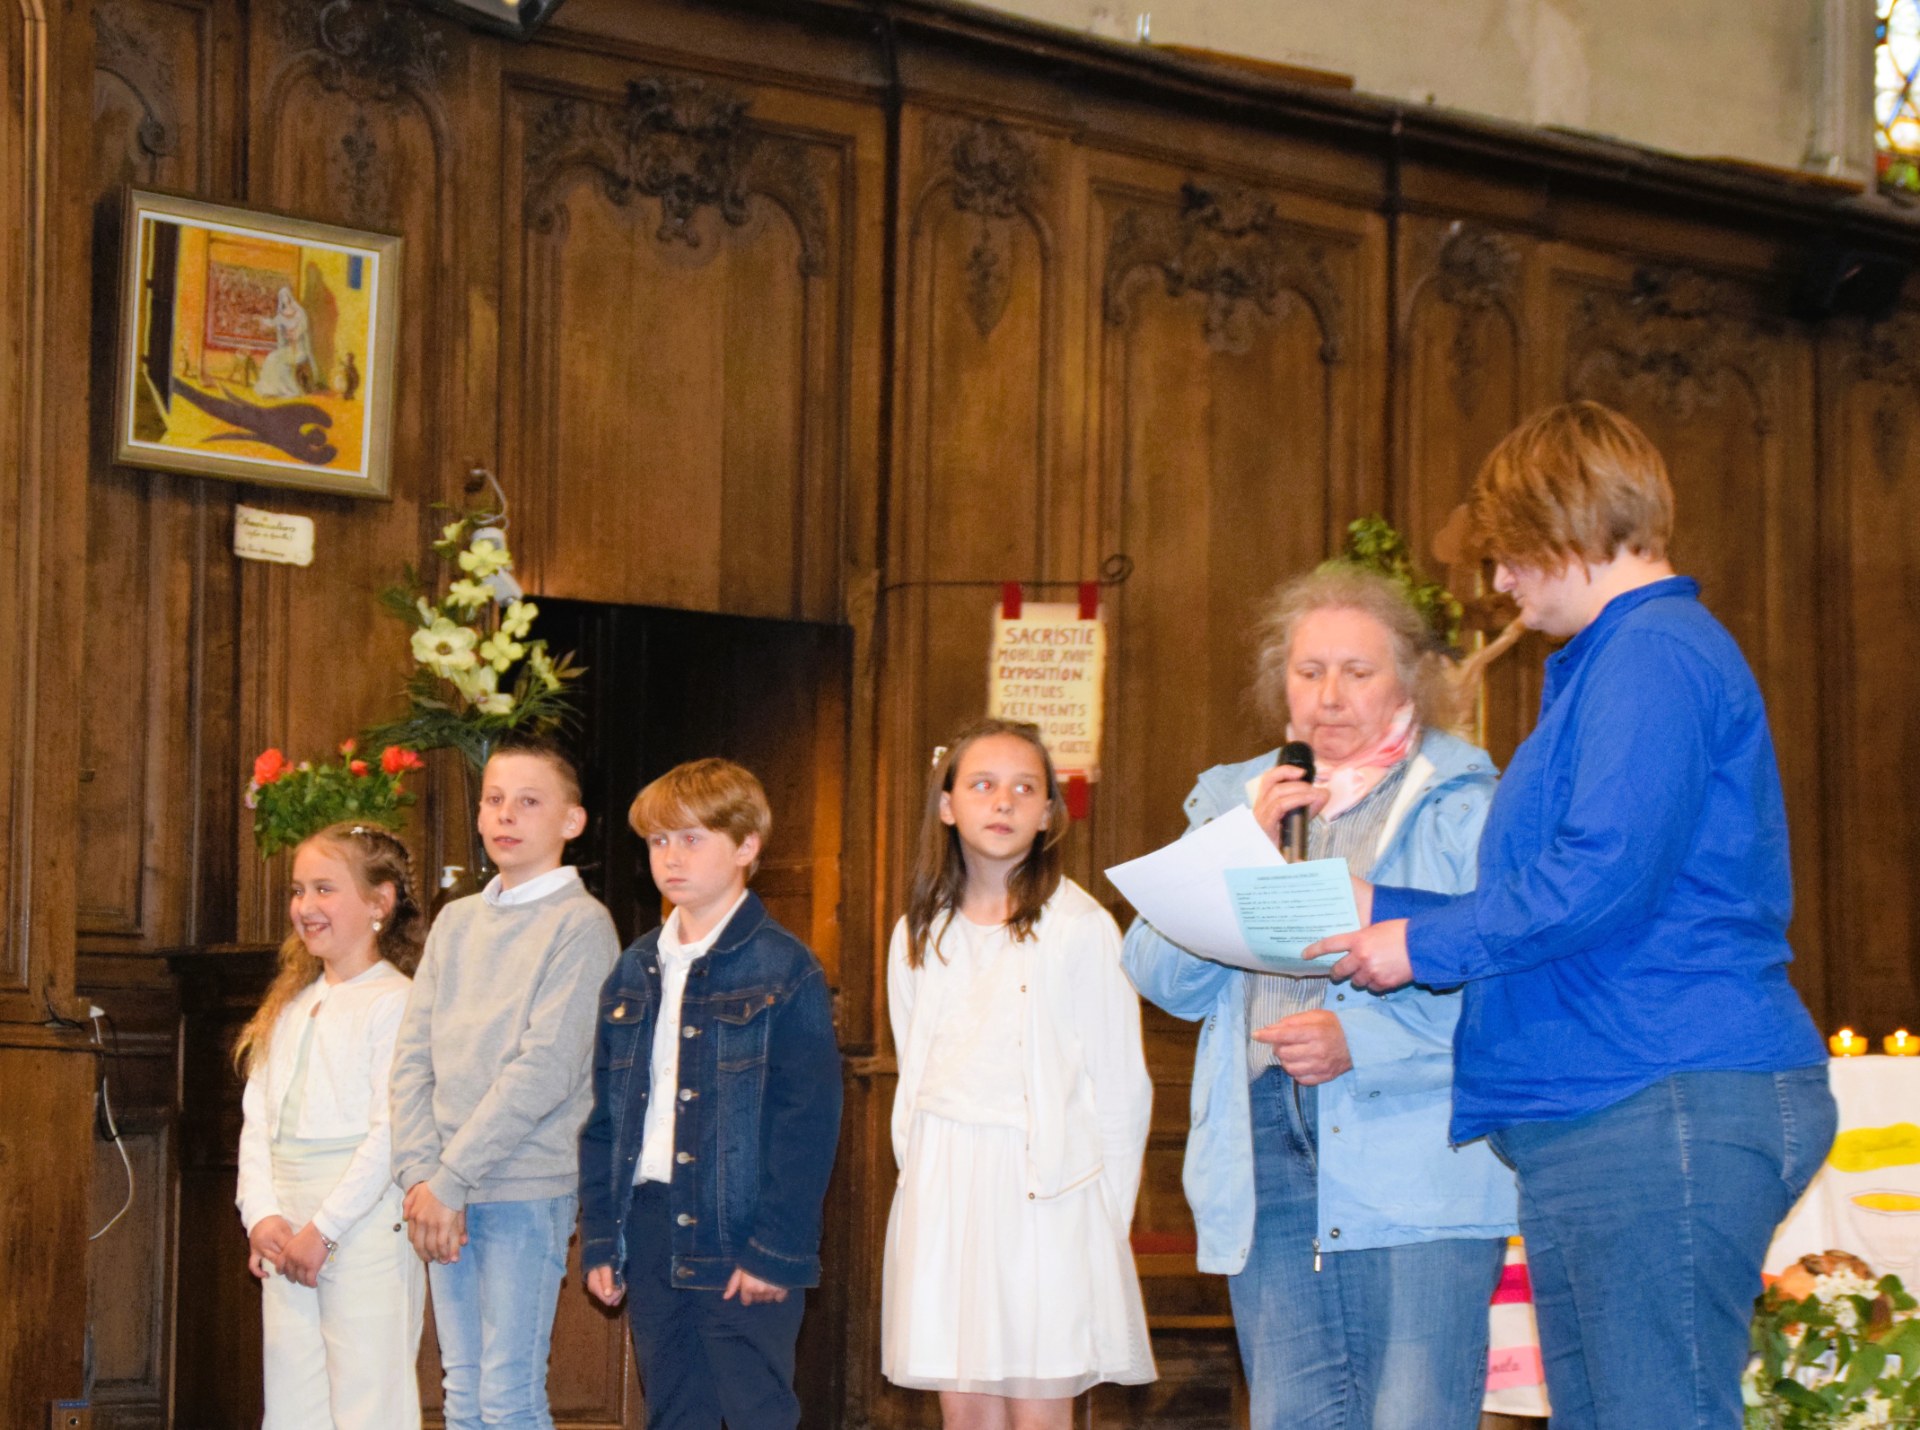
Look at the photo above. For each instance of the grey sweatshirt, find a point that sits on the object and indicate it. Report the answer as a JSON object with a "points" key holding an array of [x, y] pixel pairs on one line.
{"points": [[492, 1068]]}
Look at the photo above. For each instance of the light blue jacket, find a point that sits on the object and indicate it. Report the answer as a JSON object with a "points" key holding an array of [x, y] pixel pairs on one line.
{"points": [[1388, 1175]]}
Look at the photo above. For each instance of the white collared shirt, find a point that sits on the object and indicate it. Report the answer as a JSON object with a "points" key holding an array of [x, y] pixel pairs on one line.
{"points": [[538, 887], [676, 962]]}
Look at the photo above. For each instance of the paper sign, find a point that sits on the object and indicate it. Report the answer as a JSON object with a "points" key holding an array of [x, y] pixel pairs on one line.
{"points": [[1047, 666], [1282, 910], [272, 536]]}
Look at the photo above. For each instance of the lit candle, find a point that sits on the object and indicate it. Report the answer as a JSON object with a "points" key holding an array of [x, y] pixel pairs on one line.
{"points": [[1902, 1044], [1848, 1044]]}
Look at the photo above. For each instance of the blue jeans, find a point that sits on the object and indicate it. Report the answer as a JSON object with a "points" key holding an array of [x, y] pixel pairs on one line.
{"points": [[704, 1359], [1646, 1224], [493, 1309], [1391, 1338]]}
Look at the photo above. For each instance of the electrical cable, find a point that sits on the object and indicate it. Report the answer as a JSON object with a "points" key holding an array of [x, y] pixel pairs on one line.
{"points": [[106, 1105]]}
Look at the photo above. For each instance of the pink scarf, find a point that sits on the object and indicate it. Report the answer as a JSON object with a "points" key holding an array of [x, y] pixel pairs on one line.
{"points": [[1351, 780]]}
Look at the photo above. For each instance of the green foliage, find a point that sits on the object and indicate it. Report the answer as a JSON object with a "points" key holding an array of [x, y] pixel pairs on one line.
{"points": [[1847, 1357], [478, 671], [290, 801], [1372, 543]]}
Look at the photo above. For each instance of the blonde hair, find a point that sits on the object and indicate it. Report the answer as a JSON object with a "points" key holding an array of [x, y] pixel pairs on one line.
{"points": [[1418, 659], [939, 867], [1576, 482], [712, 793], [374, 856]]}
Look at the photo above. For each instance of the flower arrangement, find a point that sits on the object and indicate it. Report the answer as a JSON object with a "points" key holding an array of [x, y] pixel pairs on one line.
{"points": [[1834, 1349], [478, 670], [291, 801]]}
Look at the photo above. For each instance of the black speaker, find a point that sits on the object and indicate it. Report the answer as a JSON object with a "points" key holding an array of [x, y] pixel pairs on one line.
{"points": [[1837, 281]]}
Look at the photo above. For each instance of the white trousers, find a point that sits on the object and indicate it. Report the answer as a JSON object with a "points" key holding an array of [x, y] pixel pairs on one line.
{"points": [[340, 1356]]}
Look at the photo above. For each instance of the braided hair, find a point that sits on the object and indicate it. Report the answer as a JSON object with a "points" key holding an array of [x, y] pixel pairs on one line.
{"points": [[375, 857]]}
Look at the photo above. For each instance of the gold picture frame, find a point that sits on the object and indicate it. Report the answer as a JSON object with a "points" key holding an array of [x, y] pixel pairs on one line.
{"points": [[256, 346]]}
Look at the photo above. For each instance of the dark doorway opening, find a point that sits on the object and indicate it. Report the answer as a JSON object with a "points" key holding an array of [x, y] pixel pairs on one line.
{"points": [[667, 686]]}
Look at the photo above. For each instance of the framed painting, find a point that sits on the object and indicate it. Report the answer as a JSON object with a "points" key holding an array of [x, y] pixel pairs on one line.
{"points": [[255, 346]]}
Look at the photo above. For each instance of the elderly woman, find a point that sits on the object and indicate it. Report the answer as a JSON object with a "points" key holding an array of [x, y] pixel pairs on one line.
{"points": [[1629, 1038], [1361, 1247]]}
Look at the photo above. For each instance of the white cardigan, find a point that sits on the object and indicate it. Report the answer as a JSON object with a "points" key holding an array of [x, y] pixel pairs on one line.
{"points": [[346, 1094], [1089, 1098]]}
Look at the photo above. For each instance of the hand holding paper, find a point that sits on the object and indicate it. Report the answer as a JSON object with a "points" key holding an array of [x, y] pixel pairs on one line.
{"points": [[1376, 957], [1223, 893]]}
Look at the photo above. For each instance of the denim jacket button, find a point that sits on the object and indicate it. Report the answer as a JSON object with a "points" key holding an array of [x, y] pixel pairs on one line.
{"points": [[683, 1157], [621, 1011], [686, 1220], [683, 1271], [689, 1031], [687, 1094]]}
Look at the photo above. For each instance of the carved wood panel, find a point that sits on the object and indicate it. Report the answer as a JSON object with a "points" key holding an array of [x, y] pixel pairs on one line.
{"points": [[1723, 387], [148, 533], [351, 110], [1871, 727], [1465, 343], [1235, 360], [679, 262]]}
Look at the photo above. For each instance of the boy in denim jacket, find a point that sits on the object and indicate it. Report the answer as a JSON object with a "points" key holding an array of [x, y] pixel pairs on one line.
{"points": [[716, 1110]]}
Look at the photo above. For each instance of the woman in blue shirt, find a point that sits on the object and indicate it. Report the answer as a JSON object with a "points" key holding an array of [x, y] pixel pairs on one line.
{"points": [[1629, 1039], [1360, 1247]]}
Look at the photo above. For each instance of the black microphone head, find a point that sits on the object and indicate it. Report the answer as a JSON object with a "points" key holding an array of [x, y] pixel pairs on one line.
{"points": [[1300, 754]]}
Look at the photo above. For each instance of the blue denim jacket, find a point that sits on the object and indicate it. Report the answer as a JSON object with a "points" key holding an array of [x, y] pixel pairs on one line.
{"points": [[1388, 1175], [759, 1107]]}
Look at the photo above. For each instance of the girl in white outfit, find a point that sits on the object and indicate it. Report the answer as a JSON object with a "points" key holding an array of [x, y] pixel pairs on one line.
{"points": [[342, 1292], [1020, 1118]]}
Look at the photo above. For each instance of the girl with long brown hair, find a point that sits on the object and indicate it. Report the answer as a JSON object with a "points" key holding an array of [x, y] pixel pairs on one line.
{"points": [[1020, 1118], [342, 1291]]}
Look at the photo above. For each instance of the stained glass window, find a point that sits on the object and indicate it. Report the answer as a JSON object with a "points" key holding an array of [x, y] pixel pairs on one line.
{"points": [[1896, 101]]}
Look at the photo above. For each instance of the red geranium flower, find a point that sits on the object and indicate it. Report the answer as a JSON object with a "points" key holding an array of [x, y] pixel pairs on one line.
{"points": [[356, 767], [394, 760], [269, 766]]}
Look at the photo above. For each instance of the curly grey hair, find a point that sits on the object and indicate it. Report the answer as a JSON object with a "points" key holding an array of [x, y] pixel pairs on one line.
{"points": [[1338, 586]]}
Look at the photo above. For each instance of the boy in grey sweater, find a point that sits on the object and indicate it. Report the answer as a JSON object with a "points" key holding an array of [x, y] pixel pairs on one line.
{"points": [[491, 1082]]}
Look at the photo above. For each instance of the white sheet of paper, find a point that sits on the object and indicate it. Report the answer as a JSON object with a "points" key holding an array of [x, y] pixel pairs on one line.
{"points": [[1183, 891], [1283, 910]]}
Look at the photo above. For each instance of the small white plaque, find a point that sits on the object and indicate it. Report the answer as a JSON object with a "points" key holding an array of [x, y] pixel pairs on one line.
{"points": [[272, 536]]}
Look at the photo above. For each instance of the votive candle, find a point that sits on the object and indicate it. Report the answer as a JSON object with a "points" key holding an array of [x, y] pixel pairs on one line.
{"points": [[1847, 1044], [1902, 1044]]}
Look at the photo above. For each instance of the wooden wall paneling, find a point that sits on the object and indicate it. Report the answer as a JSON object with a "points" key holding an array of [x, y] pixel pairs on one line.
{"points": [[151, 537], [352, 116], [1237, 371], [1723, 385], [978, 486], [1463, 344], [216, 1325], [678, 280], [130, 1267], [1855, 657], [43, 1226]]}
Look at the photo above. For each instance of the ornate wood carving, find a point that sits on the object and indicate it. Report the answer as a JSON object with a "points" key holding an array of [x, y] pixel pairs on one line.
{"points": [[1686, 335], [1478, 272], [360, 171], [683, 141], [1889, 353], [129, 54], [995, 175], [1228, 244], [378, 48]]}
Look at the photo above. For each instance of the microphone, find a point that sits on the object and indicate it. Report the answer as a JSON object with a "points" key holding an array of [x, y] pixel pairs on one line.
{"points": [[1293, 824]]}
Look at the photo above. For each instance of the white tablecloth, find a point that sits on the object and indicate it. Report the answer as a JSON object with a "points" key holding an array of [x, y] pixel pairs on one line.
{"points": [[1866, 1200]]}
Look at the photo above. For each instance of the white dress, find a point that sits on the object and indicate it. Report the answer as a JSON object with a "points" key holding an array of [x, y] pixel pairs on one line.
{"points": [[990, 1286]]}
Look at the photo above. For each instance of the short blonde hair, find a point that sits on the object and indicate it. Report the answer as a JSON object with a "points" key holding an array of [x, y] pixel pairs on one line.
{"points": [[1576, 482], [1340, 586], [712, 793]]}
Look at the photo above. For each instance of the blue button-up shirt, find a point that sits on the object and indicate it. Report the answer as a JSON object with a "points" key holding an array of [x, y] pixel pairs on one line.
{"points": [[1630, 919]]}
